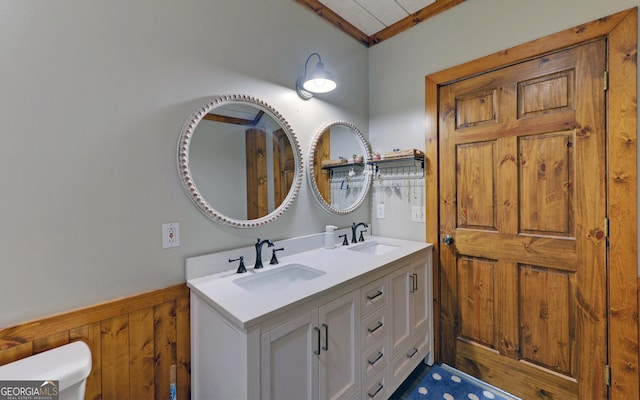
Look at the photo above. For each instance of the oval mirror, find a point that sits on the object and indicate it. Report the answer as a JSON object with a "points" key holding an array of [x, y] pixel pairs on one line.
{"points": [[338, 172], [239, 161]]}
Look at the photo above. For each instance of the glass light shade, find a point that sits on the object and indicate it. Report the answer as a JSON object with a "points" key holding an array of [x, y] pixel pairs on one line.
{"points": [[319, 85], [319, 81]]}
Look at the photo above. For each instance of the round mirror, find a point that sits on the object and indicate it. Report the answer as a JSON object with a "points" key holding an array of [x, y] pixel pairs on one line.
{"points": [[239, 161], [338, 172]]}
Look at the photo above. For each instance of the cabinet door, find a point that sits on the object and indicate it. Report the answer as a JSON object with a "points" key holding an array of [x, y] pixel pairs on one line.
{"points": [[409, 297], [340, 357], [399, 310], [289, 366], [419, 306]]}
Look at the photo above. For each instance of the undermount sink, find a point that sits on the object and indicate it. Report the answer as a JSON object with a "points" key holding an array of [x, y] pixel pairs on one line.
{"points": [[279, 278], [374, 248]]}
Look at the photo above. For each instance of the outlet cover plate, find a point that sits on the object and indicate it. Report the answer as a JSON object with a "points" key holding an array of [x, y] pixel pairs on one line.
{"points": [[170, 235]]}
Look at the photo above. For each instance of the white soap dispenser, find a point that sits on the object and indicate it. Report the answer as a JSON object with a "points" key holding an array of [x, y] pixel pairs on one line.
{"points": [[330, 236]]}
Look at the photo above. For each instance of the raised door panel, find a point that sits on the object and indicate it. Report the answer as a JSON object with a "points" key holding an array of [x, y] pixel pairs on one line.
{"points": [[339, 369], [420, 296], [476, 185], [398, 306], [289, 366]]}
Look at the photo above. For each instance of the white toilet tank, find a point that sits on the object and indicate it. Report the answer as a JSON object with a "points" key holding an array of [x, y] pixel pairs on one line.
{"points": [[69, 365]]}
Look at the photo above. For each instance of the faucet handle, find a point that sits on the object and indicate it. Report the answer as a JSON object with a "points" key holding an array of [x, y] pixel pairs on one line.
{"points": [[274, 259], [345, 242], [361, 239], [241, 268]]}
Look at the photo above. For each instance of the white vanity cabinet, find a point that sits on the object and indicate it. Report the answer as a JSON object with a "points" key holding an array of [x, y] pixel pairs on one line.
{"points": [[356, 338], [314, 355], [411, 311]]}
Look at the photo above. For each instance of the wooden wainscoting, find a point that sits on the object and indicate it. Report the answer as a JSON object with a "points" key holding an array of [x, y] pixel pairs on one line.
{"points": [[134, 342]]}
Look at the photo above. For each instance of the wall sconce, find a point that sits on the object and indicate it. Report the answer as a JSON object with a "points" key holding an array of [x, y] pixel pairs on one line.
{"points": [[318, 81]]}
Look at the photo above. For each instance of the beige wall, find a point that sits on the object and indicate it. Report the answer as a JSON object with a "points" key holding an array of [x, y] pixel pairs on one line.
{"points": [[93, 95]]}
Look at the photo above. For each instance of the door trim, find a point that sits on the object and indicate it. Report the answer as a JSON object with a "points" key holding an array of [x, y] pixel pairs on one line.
{"points": [[621, 32]]}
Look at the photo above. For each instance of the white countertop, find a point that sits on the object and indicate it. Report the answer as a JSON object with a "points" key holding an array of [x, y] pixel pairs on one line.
{"points": [[246, 308]]}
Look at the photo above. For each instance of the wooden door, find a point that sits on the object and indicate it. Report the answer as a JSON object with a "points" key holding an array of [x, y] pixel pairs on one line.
{"points": [[257, 185], [284, 167], [522, 196], [323, 176]]}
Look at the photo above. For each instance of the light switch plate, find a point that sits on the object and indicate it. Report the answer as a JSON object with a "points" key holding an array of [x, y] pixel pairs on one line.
{"points": [[380, 210], [417, 213]]}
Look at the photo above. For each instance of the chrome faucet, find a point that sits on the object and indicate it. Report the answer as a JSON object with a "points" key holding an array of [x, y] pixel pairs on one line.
{"points": [[354, 228], [259, 244]]}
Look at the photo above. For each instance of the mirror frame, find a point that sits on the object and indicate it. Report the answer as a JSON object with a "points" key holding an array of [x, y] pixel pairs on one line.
{"points": [[366, 152], [186, 178]]}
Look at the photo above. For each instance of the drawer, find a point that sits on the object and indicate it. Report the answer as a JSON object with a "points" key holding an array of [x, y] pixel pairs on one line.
{"points": [[376, 388], [407, 360], [374, 328], [374, 360], [373, 296]]}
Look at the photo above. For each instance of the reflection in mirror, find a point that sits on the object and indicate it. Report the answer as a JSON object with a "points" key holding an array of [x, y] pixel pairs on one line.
{"points": [[239, 161], [338, 171]]}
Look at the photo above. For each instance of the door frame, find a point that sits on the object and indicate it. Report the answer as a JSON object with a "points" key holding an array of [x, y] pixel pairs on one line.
{"points": [[621, 31]]}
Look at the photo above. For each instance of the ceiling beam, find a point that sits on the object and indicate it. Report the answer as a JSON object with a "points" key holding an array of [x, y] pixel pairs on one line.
{"points": [[411, 20], [326, 13]]}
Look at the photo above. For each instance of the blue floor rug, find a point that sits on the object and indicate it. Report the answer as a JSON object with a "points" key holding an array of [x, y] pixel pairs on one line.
{"points": [[443, 383]]}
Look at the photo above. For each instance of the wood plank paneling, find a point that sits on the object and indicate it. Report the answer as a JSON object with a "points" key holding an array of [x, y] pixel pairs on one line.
{"points": [[50, 342], [133, 341], [164, 321], [16, 352], [142, 349], [90, 334], [114, 343]]}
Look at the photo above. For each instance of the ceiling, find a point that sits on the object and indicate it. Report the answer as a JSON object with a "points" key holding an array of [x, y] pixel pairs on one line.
{"points": [[372, 21]]}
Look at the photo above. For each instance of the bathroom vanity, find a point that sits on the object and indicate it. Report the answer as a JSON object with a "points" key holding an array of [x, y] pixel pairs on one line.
{"points": [[344, 323]]}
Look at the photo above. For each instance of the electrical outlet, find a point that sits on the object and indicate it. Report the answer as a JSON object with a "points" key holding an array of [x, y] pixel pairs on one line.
{"points": [[170, 235], [380, 210]]}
